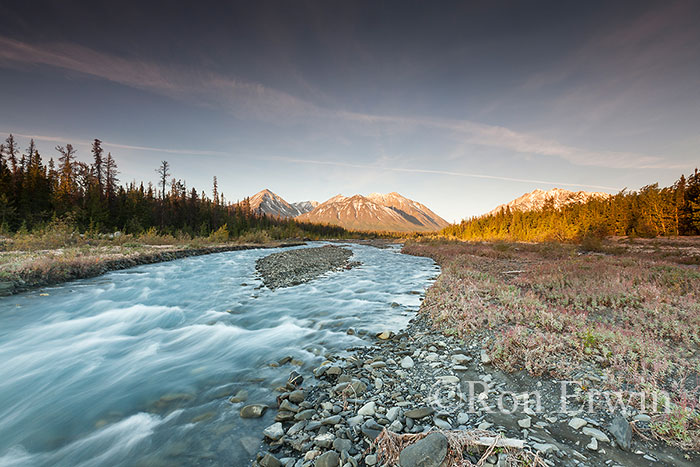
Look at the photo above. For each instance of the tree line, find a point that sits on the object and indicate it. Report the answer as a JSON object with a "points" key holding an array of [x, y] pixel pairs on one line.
{"points": [[649, 212], [90, 197]]}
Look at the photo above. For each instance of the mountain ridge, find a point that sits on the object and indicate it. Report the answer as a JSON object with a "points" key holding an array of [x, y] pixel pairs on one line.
{"points": [[537, 199]]}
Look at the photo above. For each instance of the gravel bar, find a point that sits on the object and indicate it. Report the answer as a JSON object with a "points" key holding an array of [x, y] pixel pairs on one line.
{"points": [[295, 267]]}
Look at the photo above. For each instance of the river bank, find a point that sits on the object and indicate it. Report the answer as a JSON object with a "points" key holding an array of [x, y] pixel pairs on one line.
{"points": [[449, 372], [25, 270]]}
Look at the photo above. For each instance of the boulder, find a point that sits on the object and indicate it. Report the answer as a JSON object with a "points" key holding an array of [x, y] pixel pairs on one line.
{"points": [[253, 411], [427, 452]]}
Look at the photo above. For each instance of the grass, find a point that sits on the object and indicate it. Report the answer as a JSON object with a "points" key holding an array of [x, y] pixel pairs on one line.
{"points": [[631, 310]]}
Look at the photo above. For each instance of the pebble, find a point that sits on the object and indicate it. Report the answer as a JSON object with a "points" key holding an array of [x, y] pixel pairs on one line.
{"points": [[577, 423], [427, 452], [407, 362], [525, 422], [593, 445]]}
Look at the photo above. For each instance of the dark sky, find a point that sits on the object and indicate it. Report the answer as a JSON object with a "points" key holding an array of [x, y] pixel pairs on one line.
{"points": [[460, 106]]}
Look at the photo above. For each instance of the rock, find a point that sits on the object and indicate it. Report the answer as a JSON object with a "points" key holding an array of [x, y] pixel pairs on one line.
{"points": [[286, 405], [462, 418], [268, 460], [295, 379], [427, 452], [621, 431], [328, 459], [419, 412], [371, 460], [296, 428], [593, 445], [460, 359], [384, 335], [333, 420], [393, 413], [485, 358], [305, 414], [241, 396], [333, 371], [274, 431], [368, 409], [253, 411], [442, 424], [577, 423], [324, 440], [525, 422], [340, 444], [284, 416], [396, 426], [407, 362], [371, 429], [356, 420], [297, 396], [448, 379], [642, 417], [595, 433]]}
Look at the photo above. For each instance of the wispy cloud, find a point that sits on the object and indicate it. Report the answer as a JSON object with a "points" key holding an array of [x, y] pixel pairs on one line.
{"points": [[248, 100], [109, 144], [437, 172]]}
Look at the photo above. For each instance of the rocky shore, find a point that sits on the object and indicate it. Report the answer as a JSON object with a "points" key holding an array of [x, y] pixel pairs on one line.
{"points": [[420, 398], [294, 267], [83, 268]]}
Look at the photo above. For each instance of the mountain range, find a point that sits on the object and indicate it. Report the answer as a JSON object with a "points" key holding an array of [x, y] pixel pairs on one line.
{"points": [[558, 197], [376, 211], [272, 204]]}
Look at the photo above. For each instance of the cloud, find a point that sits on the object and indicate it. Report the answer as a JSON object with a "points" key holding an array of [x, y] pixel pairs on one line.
{"points": [[248, 100], [108, 144], [437, 172]]}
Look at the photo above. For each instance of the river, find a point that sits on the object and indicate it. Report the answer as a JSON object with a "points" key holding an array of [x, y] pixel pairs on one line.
{"points": [[135, 367]]}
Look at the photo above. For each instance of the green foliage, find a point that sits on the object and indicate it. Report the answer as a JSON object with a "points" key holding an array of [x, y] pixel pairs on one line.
{"points": [[650, 212], [90, 200]]}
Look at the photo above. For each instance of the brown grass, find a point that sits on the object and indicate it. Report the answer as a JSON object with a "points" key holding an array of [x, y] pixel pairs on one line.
{"points": [[631, 311]]}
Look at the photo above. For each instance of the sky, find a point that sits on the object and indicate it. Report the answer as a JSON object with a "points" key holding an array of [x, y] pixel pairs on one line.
{"points": [[461, 106]]}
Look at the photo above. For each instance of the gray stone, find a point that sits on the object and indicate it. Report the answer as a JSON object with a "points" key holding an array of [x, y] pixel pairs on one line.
{"points": [[334, 420], [419, 413], [427, 452], [297, 396], [327, 459], [305, 414], [577, 423], [442, 424], [371, 429], [341, 444], [620, 429], [253, 411], [368, 409], [593, 445], [407, 362], [525, 422], [393, 413], [460, 359], [324, 440], [596, 433], [268, 460], [462, 418], [286, 405], [371, 460], [485, 358], [274, 431]]}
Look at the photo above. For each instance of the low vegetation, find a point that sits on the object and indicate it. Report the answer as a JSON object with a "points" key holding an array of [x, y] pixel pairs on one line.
{"points": [[630, 310]]}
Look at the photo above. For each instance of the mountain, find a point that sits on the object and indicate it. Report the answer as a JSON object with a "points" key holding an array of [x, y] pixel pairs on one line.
{"points": [[305, 206], [375, 212], [274, 205], [559, 198]]}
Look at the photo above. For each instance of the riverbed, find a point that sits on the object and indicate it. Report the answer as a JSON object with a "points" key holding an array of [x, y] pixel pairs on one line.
{"points": [[136, 367]]}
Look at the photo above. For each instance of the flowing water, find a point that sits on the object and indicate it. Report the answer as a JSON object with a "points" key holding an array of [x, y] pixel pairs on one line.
{"points": [[135, 367]]}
